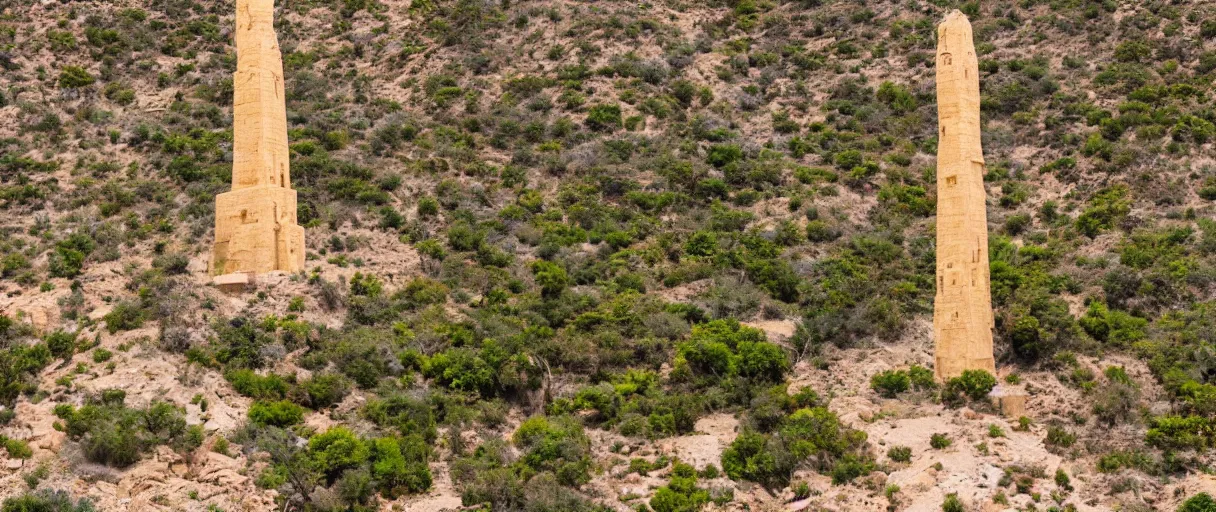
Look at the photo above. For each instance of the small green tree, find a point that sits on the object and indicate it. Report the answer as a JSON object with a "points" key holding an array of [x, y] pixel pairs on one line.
{"points": [[551, 277], [337, 450]]}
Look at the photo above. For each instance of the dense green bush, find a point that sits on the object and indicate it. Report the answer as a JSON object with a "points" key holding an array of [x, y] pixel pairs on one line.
{"points": [[19, 364], [899, 453], [889, 383], [69, 256], [973, 385], [1201, 502], [73, 77], [722, 349], [113, 434], [604, 117], [350, 470], [939, 441], [681, 494], [280, 414], [813, 436], [558, 446]]}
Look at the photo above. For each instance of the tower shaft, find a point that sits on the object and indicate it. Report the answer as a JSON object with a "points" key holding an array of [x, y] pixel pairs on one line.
{"points": [[259, 108]]}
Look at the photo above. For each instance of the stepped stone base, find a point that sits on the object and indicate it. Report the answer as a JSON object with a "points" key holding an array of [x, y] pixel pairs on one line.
{"points": [[235, 282]]}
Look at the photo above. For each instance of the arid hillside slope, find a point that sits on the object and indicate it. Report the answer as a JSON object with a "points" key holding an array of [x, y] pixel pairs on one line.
{"points": [[568, 255]]}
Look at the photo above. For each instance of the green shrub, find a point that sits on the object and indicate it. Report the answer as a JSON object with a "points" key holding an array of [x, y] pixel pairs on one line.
{"points": [[551, 277], [899, 453], [337, 450], [1059, 437], [889, 383], [939, 441], [725, 348], [770, 459], [62, 344], [125, 316], [427, 207], [681, 494], [953, 504], [18, 449], [972, 384], [113, 434], [557, 445], [1201, 502], [280, 414], [400, 465], [18, 366], [325, 389], [74, 77], [921, 378], [46, 500], [250, 384], [604, 117], [69, 256], [722, 155], [1106, 208], [1112, 326], [1180, 432], [751, 456]]}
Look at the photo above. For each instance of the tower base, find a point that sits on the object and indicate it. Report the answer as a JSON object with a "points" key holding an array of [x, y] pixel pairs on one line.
{"points": [[256, 231]]}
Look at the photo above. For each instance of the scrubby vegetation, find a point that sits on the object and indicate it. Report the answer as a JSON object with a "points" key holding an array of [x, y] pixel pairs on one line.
{"points": [[535, 226], [113, 434]]}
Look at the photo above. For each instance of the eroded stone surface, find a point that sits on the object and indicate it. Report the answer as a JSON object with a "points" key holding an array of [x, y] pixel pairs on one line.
{"points": [[962, 309], [255, 223]]}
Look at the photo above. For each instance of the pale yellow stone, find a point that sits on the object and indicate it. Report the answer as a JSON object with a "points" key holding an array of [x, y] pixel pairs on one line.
{"points": [[234, 282], [962, 309], [1010, 401], [255, 223]]}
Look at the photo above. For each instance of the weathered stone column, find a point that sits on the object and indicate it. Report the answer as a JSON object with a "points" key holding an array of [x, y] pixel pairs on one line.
{"points": [[962, 309], [255, 223]]}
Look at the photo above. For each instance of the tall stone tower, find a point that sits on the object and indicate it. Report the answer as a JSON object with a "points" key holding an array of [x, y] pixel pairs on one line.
{"points": [[255, 223], [962, 309]]}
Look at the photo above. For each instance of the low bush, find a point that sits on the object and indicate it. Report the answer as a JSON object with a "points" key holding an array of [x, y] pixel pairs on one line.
{"points": [[113, 434], [1201, 502], [557, 445], [280, 414], [973, 385], [681, 494], [46, 500], [811, 436], [939, 441], [890, 383], [723, 349], [604, 117]]}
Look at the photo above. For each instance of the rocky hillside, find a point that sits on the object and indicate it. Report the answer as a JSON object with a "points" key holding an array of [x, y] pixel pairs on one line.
{"points": [[568, 255]]}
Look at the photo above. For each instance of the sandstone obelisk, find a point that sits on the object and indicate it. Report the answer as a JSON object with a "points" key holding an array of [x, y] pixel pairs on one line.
{"points": [[962, 308], [255, 223]]}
